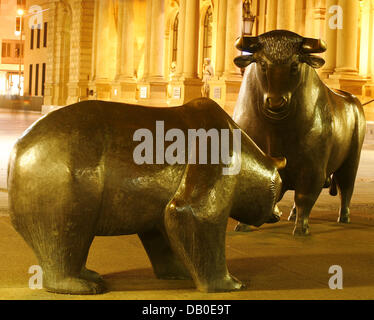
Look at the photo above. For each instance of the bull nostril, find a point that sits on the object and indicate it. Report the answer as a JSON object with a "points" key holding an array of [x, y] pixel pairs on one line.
{"points": [[276, 102]]}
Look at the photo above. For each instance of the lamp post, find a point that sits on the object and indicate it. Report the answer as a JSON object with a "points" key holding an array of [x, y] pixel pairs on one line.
{"points": [[20, 14], [248, 22], [248, 18]]}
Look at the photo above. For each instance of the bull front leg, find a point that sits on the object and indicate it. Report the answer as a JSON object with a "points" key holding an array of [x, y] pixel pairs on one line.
{"points": [[305, 198]]}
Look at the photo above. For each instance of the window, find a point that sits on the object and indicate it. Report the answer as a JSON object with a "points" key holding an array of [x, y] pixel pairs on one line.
{"points": [[45, 34], [18, 52], [6, 50], [36, 79], [32, 39], [208, 21], [30, 80], [43, 78], [38, 38], [175, 38]]}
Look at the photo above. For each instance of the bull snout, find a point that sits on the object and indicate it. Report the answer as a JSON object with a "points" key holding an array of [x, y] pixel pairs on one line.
{"points": [[274, 102]]}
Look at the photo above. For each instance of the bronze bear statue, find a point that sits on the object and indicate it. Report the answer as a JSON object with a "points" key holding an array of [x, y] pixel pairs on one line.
{"points": [[72, 176]]}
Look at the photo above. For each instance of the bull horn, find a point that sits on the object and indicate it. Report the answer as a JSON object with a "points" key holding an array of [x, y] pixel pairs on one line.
{"points": [[247, 44], [311, 45], [279, 162]]}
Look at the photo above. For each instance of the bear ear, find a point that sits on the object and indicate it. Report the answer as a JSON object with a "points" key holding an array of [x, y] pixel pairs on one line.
{"points": [[244, 60], [314, 61]]}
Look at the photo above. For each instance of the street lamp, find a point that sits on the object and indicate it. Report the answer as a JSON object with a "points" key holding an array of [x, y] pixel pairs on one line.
{"points": [[19, 23], [248, 18], [248, 22]]}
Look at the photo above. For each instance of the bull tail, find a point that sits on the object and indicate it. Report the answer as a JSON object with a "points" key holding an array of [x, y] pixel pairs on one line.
{"points": [[333, 188], [364, 104]]}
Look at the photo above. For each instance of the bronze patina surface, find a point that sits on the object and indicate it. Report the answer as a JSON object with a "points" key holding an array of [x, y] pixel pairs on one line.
{"points": [[72, 176], [288, 111]]}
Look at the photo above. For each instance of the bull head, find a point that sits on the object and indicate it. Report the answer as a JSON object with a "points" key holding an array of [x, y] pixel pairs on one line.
{"points": [[253, 45], [279, 56]]}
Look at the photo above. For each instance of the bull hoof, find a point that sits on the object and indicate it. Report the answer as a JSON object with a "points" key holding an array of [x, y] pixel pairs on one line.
{"points": [[242, 227], [229, 283], [71, 285], [292, 216], [344, 219], [91, 275], [301, 232]]}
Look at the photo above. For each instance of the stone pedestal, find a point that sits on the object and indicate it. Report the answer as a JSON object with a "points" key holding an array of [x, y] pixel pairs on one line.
{"points": [[102, 89], [225, 92], [232, 87], [183, 91], [152, 92], [124, 90], [77, 92], [351, 83]]}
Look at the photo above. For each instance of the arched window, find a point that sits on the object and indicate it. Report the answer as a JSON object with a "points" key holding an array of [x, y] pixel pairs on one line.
{"points": [[207, 44], [175, 38]]}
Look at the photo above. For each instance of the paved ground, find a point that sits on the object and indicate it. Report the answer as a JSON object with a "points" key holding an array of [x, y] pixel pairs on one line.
{"points": [[272, 263]]}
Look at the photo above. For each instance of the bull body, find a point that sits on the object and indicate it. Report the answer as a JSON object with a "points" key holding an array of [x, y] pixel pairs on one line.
{"points": [[288, 111], [72, 176]]}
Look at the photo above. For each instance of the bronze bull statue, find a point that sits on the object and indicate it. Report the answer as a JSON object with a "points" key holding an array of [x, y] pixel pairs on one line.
{"points": [[73, 176], [288, 111]]}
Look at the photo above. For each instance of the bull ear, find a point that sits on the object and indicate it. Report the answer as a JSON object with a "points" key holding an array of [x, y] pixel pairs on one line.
{"points": [[313, 45], [314, 61], [244, 60], [248, 44]]}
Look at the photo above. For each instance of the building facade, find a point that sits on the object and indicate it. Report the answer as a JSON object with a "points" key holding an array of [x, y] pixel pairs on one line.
{"points": [[12, 48], [152, 52]]}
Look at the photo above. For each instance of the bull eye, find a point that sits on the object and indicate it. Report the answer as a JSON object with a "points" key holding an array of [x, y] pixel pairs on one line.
{"points": [[263, 65], [294, 68]]}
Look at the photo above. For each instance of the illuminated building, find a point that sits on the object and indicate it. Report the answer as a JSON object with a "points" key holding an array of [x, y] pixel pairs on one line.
{"points": [[152, 52]]}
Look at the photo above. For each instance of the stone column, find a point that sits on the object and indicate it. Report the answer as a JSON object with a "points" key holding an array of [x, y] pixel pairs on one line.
{"points": [[81, 43], [106, 48], [180, 44], [233, 31], [125, 84], [49, 88], [189, 85], [372, 43], [271, 17], [346, 59], [106, 43], [346, 74], [153, 88], [367, 53], [217, 83], [125, 69], [331, 39], [232, 74], [156, 67], [191, 39], [286, 15], [147, 42], [221, 38], [319, 21]]}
